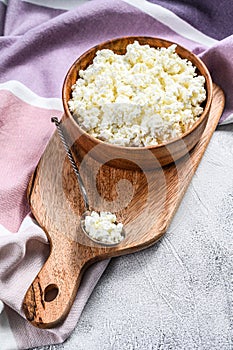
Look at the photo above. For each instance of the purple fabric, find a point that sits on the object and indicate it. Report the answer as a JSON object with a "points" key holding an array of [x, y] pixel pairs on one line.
{"points": [[2, 17], [213, 18], [21, 17], [38, 45], [47, 51], [219, 60]]}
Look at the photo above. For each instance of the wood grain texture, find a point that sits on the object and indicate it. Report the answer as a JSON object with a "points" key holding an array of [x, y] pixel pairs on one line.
{"points": [[129, 157], [144, 201]]}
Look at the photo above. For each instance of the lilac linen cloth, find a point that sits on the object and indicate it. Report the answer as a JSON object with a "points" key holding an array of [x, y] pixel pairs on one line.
{"points": [[39, 42]]}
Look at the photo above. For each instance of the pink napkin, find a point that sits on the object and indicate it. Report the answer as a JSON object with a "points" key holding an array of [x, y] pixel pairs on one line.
{"points": [[23, 244]]}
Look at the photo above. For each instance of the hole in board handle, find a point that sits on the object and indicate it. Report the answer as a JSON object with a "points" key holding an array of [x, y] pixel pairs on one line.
{"points": [[51, 292]]}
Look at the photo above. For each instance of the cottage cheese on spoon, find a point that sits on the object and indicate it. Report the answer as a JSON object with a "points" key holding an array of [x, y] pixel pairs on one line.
{"points": [[103, 227]]}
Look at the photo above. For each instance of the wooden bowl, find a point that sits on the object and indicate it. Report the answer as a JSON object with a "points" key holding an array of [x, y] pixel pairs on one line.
{"points": [[149, 157]]}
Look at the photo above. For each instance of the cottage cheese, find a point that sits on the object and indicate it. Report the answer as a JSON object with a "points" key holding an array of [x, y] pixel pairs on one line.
{"points": [[103, 227], [145, 97]]}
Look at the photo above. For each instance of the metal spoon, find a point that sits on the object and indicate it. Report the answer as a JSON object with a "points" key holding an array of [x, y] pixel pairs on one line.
{"points": [[81, 186]]}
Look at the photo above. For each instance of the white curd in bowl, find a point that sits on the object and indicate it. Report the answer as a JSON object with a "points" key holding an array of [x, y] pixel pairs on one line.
{"points": [[146, 97]]}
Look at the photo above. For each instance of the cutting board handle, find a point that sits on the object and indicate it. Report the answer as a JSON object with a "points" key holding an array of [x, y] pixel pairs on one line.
{"points": [[50, 296]]}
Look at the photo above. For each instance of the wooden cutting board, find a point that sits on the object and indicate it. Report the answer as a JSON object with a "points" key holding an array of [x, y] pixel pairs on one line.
{"points": [[144, 201]]}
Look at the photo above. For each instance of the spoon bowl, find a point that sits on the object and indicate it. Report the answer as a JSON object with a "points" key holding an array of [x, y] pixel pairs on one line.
{"points": [[101, 242]]}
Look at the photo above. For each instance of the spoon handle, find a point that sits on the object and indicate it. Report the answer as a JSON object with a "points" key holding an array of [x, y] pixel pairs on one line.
{"points": [[72, 162]]}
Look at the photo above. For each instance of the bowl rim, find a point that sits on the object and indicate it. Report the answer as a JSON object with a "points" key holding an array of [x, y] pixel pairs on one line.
{"points": [[208, 101]]}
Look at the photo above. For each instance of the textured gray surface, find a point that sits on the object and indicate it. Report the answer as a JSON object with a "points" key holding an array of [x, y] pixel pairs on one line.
{"points": [[177, 294]]}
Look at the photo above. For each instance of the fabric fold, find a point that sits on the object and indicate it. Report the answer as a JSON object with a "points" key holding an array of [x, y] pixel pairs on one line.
{"points": [[219, 62]]}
